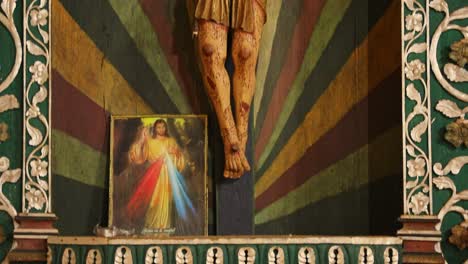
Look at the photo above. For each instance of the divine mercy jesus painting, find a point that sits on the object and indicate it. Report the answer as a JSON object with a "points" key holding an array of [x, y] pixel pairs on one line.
{"points": [[158, 175]]}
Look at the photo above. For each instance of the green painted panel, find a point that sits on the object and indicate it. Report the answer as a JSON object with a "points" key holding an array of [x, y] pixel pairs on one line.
{"points": [[11, 148], [442, 150]]}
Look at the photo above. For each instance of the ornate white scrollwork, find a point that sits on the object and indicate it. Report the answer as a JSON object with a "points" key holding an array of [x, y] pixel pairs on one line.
{"points": [[454, 73], [8, 102], [417, 184], [69, 256], [454, 166], [246, 255], [391, 256], [154, 255], [366, 255], [336, 255], [184, 256], [7, 176], [37, 170], [94, 257], [123, 255], [214, 255], [444, 182], [451, 110], [6, 18], [276, 255], [306, 255]]}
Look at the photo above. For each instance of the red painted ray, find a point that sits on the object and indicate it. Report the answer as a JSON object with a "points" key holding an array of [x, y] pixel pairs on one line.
{"points": [[359, 126], [157, 12], [300, 41], [78, 116]]}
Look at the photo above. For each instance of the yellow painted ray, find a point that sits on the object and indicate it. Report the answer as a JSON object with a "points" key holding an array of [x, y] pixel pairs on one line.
{"points": [[82, 64], [343, 176], [351, 85], [264, 55], [140, 29], [331, 15]]}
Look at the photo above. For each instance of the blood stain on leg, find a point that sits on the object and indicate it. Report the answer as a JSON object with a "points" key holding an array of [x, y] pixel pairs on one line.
{"points": [[245, 107], [211, 83]]}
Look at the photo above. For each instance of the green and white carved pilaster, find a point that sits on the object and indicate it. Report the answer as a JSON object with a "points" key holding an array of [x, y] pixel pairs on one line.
{"points": [[435, 101], [37, 89]]}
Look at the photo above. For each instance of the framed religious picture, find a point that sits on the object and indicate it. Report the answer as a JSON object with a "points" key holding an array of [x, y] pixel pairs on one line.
{"points": [[158, 168]]}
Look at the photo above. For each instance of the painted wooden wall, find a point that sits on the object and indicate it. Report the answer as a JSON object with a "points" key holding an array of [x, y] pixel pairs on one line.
{"points": [[325, 133], [327, 145], [326, 118]]}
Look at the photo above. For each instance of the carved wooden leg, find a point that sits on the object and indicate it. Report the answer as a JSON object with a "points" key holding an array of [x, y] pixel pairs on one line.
{"points": [[212, 49], [244, 53]]}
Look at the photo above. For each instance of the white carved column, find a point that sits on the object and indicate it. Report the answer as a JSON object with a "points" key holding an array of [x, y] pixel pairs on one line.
{"points": [[35, 222], [418, 233]]}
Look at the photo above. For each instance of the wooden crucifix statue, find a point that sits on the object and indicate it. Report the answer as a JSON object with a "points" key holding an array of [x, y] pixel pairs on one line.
{"points": [[213, 20]]}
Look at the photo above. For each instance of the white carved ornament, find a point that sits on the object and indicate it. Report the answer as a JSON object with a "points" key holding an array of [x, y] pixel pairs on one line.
{"points": [[37, 171], [123, 255], [454, 72], [390, 256], [7, 176], [184, 256], [214, 255], [450, 109], [246, 255], [443, 182], [417, 159], [94, 257], [306, 255], [276, 255], [8, 102], [336, 255], [366, 256], [69, 256], [6, 18], [154, 255]]}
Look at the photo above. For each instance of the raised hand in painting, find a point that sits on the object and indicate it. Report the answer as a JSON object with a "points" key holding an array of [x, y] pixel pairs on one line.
{"points": [[144, 134]]}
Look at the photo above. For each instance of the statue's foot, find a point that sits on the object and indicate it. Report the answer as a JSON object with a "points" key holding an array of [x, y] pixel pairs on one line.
{"points": [[244, 161], [242, 134], [236, 164], [233, 166], [232, 174]]}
